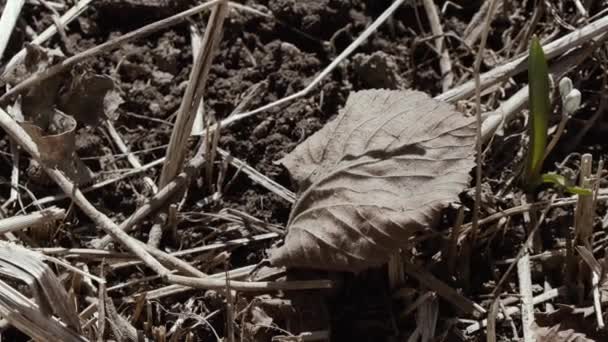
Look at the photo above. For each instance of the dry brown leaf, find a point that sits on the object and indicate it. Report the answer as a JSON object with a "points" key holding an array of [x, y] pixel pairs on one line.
{"points": [[568, 323], [557, 333], [57, 146], [90, 98], [368, 180]]}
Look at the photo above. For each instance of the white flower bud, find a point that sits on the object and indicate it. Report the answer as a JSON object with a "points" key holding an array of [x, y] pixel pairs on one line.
{"points": [[565, 87], [572, 102]]}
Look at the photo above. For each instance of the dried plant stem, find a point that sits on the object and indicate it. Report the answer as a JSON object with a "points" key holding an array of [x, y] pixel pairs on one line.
{"points": [[14, 192], [220, 284], [475, 27], [552, 50], [99, 49], [259, 178], [522, 251], [478, 142], [196, 41], [584, 213], [131, 158], [104, 222], [525, 283], [519, 100], [445, 291], [46, 216], [9, 17], [445, 63], [160, 198], [546, 296], [176, 152]]}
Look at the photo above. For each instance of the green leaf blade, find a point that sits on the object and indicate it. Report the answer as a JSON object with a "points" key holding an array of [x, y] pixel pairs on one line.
{"points": [[538, 78]]}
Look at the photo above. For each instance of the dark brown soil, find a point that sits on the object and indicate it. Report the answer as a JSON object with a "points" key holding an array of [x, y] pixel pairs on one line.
{"points": [[283, 54]]}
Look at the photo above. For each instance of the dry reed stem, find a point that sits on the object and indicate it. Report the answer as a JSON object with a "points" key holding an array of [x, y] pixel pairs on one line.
{"points": [[525, 284], [131, 158], [10, 14], [43, 217], [176, 152], [445, 63], [445, 291], [552, 50]]}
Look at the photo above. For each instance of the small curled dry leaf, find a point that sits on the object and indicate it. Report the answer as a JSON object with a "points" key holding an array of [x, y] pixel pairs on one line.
{"points": [[57, 144], [381, 171]]}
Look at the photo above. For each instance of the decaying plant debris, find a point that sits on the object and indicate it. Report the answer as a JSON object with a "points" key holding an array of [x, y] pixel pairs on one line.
{"points": [[307, 205]]}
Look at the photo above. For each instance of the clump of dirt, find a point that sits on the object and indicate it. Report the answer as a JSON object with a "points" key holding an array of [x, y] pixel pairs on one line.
{"points": [[378, 70]]}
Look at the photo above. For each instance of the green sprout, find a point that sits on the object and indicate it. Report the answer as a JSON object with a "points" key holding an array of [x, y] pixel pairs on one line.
{"points": [[540, 109]]}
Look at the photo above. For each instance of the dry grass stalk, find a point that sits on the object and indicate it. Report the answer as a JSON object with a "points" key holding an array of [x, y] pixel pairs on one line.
{"points": [[203, 249], [584, 213], [9, 17], [10, 14], [522, 251], [525, 291], [552, 50], [14, 194], [196, 41], [159, 199], [131, 158], [511, 310], [101, 308], [258, 177], [44, 217], [475, 27], [451, 253], [445, 63], [258, 286], [445, 291], [176, 152], [513, 105]]}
